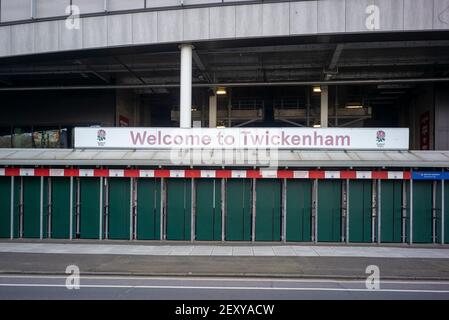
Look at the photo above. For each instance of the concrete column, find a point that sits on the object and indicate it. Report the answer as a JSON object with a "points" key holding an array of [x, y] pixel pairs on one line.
{"points": [[186, 86], [308, 105], [213, 111], [324, 106], [229, 107]]}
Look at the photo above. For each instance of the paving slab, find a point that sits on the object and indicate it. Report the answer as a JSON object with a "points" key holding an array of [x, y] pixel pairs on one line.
{"points": [[263, 251], [222, 251], [180, 251], [201, 251], [242, 251], [283, 251], [305, 252]]}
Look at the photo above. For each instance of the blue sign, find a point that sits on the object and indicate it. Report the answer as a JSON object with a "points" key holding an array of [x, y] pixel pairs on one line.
{"points": [[430, 175]]}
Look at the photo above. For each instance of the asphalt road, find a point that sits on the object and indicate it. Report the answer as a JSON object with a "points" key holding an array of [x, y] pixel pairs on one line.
{"points": [[32, 287]]}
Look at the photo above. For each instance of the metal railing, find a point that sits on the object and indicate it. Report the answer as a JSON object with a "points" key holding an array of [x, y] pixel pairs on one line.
{"points": [[24, 11]]}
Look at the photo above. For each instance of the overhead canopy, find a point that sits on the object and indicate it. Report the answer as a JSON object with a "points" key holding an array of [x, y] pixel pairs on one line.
{"points": [[286, 158]]}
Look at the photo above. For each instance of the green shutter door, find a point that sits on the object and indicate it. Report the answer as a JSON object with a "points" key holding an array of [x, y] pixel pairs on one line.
{"points": [[16, 206], [208, 209], [5, 207], [148, 209], [89, 208], [438, 212], [238, 210], [422, 211], [391, 211], [179, 209], [360, 210], [299, 210], [119, 208], [446, 211], [32, 207], [329, 208], [60, 214], [268, 210]]}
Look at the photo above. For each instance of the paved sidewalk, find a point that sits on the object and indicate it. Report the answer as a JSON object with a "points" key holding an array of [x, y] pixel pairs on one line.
{"points": [[226, 251]]}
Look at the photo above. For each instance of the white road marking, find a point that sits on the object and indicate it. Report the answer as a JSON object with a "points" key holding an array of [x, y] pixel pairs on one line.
{"points": [[227, 279], [222, 288]]}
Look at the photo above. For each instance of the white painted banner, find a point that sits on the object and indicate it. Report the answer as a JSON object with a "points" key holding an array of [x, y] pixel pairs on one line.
{"points": [[244, 138]]}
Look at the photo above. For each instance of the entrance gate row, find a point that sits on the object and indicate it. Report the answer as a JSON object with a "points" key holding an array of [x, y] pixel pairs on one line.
{"points": [[215, 209]]}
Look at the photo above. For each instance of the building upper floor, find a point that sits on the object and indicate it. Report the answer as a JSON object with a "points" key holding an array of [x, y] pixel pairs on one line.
{"points": [[44, 26]]}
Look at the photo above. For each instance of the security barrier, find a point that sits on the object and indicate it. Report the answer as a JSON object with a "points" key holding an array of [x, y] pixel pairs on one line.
{"points": [[119, 209], [179, 208], [392, 203], [299, 210], [445, 215], [89, 208], [5, 206], [422, 212], [208, 210], [268, 210], [238, 209], [148, 209], [329, 211], [224, 205], [360, 211], [33, 220], [61, 195]]}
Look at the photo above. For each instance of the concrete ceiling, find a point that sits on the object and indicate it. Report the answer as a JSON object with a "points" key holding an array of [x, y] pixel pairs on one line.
{"points": [[308, 62], [321, 59]]}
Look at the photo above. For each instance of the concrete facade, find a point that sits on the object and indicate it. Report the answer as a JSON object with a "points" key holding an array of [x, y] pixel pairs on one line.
{"points": [[237, 21]]}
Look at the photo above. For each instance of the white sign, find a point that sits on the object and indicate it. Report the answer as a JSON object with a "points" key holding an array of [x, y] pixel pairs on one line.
{"points": [[244, 138]]}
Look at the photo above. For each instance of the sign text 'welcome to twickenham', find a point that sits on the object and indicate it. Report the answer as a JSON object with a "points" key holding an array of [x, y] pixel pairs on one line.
{"points": [[244, 138]]}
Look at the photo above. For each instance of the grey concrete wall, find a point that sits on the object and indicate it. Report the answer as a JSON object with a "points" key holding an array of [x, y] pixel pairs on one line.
{"points": [[225, 22], [442, 117], [51, 108]]}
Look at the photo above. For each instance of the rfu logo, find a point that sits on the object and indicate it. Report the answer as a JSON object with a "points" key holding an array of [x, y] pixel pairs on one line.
{"points": [[380, 138], [101, 137]]}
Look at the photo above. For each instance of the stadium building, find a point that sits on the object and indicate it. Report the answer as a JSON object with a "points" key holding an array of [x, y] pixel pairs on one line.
{"points": [[225, 120]]}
